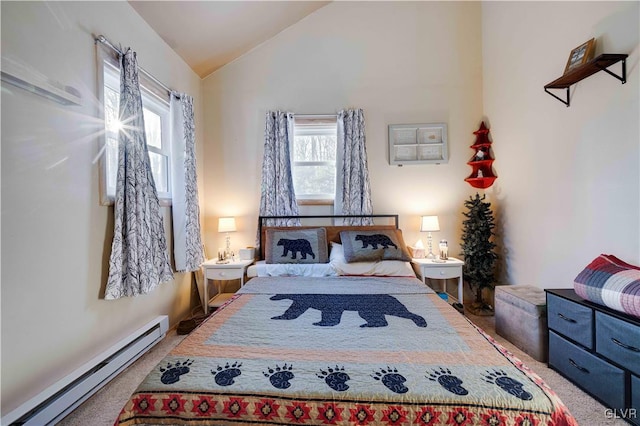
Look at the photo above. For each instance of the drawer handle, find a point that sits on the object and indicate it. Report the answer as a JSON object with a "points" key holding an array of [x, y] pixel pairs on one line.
{"points": [[619, 343], [584, 370], [571, 320]]}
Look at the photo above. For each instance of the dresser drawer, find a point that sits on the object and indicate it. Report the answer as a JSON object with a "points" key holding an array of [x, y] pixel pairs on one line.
{"points": [[635, 400], [570, 319], [596, 376], [225, 274], [619, 341]]}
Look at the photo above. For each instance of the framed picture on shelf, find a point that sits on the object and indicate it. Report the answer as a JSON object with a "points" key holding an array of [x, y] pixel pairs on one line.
{"points": [[580, 55]]}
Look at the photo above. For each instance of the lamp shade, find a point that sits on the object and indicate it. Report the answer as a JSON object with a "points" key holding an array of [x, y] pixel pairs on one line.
{"points": [[429, 224], [227, 224]]}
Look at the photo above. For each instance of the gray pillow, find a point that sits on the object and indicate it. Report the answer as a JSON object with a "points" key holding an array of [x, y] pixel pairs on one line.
{"points": [[296, 246], [372, 246]]}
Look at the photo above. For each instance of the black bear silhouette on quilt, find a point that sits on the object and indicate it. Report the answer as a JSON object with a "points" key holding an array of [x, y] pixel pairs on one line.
{"points": [[371, 307]]}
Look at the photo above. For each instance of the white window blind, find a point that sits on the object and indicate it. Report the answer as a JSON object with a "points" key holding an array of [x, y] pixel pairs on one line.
{"points": [[314, 158]]}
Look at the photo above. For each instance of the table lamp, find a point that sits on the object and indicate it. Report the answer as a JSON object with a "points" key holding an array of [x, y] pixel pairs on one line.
{"points": [[226, 225], [429, 224]]}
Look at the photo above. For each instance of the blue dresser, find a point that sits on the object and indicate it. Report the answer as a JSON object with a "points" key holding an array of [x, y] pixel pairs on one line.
{"points": [[598, 349]]}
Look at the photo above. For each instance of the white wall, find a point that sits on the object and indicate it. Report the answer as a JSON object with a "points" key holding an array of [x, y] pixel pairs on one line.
{"points": [[55, 235], [402, 62], [569, 185]]}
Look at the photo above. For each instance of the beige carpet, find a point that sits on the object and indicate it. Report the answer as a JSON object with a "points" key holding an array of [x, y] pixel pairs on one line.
{"points": [[103, 408], [586, 410]]}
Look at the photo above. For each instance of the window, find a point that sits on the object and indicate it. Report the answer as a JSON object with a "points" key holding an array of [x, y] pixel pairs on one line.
{"points": [[156, 122], [314, 160]]}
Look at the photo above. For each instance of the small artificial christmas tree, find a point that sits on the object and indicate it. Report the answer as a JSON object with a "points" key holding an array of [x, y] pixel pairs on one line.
{"points": [[477, 248]]}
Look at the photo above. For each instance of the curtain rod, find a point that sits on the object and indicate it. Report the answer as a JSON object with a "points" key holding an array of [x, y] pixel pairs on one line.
{"points": [[316, 115], [102, 39]]}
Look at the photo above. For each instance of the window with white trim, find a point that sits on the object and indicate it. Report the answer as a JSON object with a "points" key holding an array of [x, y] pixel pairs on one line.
{"points": [[313, 164], [156, 122]]}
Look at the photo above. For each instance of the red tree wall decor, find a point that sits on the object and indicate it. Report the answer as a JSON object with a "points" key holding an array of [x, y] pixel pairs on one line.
{"points": [[482, 175]]}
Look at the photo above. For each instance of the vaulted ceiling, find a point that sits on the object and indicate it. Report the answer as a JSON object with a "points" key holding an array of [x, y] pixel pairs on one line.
{"points": [[210, 34]]}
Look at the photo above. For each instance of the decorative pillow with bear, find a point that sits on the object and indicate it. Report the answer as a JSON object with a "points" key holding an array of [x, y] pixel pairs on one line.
{"points": [[367, 246], [296, 246]]}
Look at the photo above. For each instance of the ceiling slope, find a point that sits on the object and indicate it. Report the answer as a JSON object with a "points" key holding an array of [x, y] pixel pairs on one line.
{"points": [[210, 34]]}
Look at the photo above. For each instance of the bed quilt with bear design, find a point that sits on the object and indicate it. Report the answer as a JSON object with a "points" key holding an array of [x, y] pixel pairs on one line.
{"points": [[341, 351]]}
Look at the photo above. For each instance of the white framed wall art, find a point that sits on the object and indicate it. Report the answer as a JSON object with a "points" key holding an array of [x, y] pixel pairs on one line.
{"points": [[418, 144]]}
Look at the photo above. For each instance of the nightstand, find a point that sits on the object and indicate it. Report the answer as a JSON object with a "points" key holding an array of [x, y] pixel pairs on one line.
{"points": [[439, 270], [234, 270]]}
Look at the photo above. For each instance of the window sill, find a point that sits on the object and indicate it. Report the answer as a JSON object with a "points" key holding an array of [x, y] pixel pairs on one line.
{"points": [[310, 202]]}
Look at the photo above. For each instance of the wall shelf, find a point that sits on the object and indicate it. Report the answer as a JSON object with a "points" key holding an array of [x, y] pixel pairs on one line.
{"points": [[481, 182], [418, 143], [482, 175], [599, 63]]}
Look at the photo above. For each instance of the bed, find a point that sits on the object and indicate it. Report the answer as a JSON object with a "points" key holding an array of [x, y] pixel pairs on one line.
{"points": [[348, 349]]}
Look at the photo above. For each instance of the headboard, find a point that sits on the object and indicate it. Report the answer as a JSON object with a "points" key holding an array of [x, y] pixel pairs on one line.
{"points": [[333, 231]]}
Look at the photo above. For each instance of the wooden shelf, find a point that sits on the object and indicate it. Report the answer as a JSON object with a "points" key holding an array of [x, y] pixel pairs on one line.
{"points": [[599, 63]]}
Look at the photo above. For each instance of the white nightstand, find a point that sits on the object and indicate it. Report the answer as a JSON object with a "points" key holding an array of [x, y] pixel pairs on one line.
{"points": [[234, 270], [452, 268]]}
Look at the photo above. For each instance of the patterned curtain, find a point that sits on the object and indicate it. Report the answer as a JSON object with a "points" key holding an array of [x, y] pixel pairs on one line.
{"points": [[353, 193], [187, 242], [139, 260], [277, 194]]}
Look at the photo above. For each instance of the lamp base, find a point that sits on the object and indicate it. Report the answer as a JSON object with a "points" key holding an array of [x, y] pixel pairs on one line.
{"points": [[430, 255], [227, 251]]}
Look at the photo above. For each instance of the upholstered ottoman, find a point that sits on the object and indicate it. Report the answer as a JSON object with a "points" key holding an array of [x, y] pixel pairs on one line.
{"points": [[521, 318]]}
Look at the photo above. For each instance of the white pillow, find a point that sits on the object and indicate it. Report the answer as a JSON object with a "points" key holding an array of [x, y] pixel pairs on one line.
{"points": [[262, 269], [384, 268]]}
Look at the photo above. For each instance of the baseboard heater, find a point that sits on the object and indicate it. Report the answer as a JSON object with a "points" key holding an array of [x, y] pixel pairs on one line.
{"points": [[59, 399]]}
